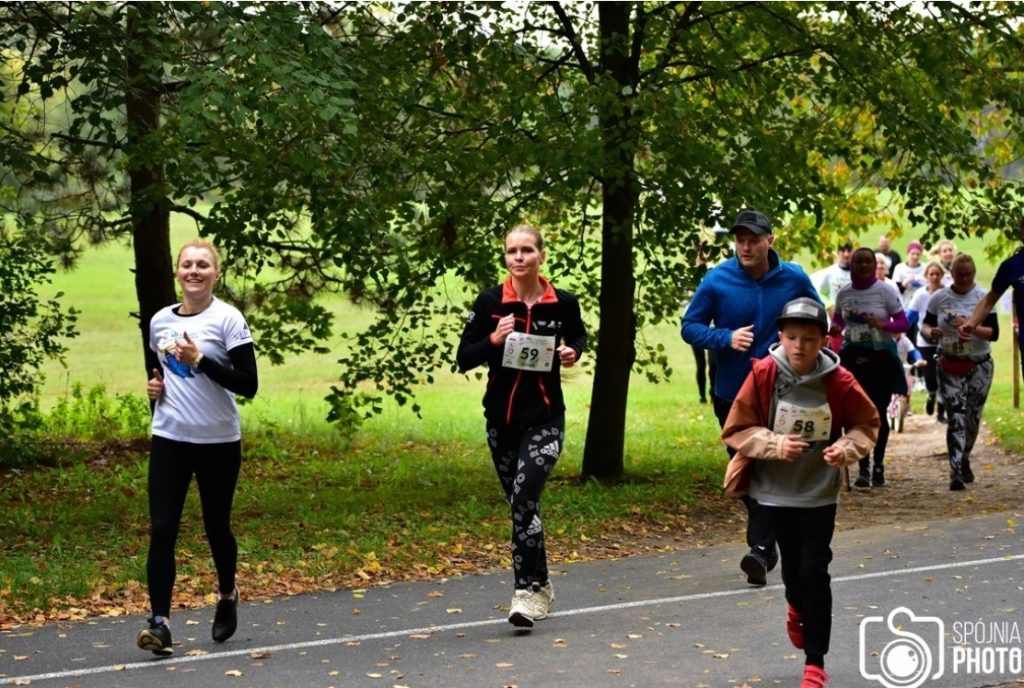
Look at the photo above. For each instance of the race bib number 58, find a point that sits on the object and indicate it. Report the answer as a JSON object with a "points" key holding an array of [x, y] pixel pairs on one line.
{"points": [[528, 352]]}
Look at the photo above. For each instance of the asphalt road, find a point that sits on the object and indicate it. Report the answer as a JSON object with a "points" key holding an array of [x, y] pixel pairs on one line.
{"points": [[681, 619]]}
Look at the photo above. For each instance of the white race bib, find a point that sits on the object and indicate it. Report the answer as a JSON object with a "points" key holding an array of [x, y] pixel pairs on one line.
{"points": [[950, 343], [529, 352], [813, 423], [864, 334]]}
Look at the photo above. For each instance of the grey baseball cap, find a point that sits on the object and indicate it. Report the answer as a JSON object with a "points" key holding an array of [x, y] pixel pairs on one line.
{"points": [[804, 308]]}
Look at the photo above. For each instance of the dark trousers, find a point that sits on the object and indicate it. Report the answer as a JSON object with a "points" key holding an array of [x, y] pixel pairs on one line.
{"points": [[171, 467], [880, 375], [805, 538], [705, 360], [759, 528], [524, 458], [931, 381]]}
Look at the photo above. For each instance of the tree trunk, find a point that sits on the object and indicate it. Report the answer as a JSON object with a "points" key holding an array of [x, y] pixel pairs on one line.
{"points": [[606, 429], [148, 205]]}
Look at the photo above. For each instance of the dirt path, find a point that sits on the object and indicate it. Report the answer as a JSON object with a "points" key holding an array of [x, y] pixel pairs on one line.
{"points": [[917, 476], [917, 488]]}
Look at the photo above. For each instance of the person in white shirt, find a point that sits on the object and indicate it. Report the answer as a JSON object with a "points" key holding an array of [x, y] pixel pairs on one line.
{"points": [[933, 274], [965, 363], [909, 275], [868, 313], [207, 356]]}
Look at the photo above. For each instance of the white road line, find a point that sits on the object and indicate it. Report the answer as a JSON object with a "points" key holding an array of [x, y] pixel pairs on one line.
{"points": [[164, 663]]}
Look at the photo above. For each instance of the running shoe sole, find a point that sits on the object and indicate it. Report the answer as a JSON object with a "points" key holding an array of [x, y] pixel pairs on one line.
{"points": [[148, 640]]}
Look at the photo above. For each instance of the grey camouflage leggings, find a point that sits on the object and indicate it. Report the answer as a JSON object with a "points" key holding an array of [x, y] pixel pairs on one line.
{"points": [[964, 397], [524, 458]]}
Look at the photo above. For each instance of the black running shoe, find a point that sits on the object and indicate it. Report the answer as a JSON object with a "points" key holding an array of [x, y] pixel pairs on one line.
{"points": [[773, 557], [863, 480], [967, 472], [956, 482], [755, 565], [225, 620], [878, 476], [156, 639]]}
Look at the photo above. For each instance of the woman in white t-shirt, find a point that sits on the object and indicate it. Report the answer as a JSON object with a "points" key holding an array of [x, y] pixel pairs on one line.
{"points": [[207, 356], [965, 363], [933, 275], [867, 313], [909, 275]]}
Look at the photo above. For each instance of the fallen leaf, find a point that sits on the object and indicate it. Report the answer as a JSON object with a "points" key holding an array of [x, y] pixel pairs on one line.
{"points": [[191, 622], [504, 665], [453, 610], [196, 652], [421, 636], [263, 654], [720, 655], [375, 675], [633, 636], [233, 672], [619, 655]]}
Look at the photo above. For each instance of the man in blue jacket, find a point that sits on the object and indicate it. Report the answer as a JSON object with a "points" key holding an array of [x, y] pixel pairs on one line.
{"points": [[733, 313]]}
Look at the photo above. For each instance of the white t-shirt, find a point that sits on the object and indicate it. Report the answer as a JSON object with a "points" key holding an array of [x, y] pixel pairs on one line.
{"points": [[919, 304], [193, 407], [855, 305], [947, 306], [900, 275], [829, 281]]}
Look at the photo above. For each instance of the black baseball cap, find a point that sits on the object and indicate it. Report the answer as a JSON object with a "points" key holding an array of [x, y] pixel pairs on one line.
{"points": [[756, 222], [804, 308]]}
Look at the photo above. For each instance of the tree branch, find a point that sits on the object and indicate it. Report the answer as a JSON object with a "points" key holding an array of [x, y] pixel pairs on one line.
{"points": [[570, 35], [185, 210]]}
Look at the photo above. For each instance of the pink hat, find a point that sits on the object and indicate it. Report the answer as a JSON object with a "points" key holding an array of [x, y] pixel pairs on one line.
{"points": [[915, 244]]}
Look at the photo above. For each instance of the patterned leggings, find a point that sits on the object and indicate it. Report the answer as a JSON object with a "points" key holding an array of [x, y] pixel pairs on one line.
{"points": [[964, 397], [524, 458]]}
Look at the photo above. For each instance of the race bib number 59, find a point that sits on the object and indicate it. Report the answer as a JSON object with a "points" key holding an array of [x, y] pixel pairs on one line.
{"points": [[528, 352]]}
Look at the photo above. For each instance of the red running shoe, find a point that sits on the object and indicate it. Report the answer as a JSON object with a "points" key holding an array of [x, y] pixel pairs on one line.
{"points": [[814, 677], [795, 627]]}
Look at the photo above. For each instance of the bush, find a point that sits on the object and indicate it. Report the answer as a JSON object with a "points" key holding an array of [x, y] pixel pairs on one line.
{"points": [[31, 331]]}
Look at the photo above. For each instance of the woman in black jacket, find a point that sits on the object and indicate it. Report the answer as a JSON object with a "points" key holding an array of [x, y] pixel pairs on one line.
{"points": [[525, 330]]}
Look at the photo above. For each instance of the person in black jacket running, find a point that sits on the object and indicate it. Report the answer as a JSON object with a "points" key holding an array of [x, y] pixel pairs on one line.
{"points": [[525, 330]]}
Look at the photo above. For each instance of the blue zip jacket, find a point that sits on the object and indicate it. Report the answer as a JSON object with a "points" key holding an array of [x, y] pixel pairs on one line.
{"points": [[729, 298]]}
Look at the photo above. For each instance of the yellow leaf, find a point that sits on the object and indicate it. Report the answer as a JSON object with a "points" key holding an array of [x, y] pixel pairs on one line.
{"points": [[375, 675], [453, 610], [233, 672], [504, 665]]}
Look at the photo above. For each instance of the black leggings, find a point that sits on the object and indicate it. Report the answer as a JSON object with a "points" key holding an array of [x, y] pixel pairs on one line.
{"points": [[524, 458], [878, 373], [171, 467]]}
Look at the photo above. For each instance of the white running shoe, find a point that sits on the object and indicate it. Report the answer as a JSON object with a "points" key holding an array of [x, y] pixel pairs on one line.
{"points": [[546, 595], [520, 612], [531, 605]]}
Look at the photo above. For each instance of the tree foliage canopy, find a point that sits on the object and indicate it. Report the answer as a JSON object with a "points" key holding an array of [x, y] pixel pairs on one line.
{"points": [[382, 150]]}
